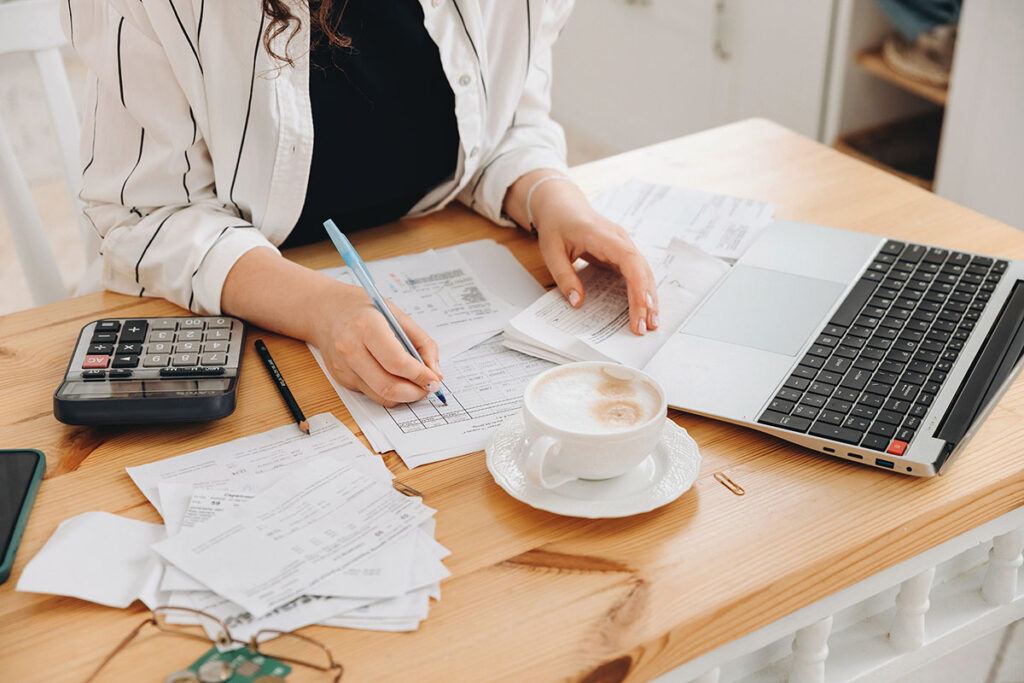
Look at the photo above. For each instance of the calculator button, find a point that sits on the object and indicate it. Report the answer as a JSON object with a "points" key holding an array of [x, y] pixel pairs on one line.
{"points": [[95, 361], [121, 373], [215, 347], [93, 375], [131, 347], [183, 359], [104, 337], [159, 347], [190, 335], [108, 326], [155, 360], [213, 359], [192, 324], [134, 331], [102, 349], [218, 323], [186, 347], [126, 361], [168, 324], [161, 336], [218, 335]]}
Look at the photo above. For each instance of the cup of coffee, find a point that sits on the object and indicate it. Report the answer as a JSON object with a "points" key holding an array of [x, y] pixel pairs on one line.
{"points": [[590, 420]]}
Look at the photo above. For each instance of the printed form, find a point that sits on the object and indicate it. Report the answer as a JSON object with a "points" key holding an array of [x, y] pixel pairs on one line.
{"points": [[655, 215], [483, 386], [599, 329]]}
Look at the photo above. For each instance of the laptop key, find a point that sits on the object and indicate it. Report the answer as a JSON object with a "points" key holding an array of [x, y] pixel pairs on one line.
{"points": [[905, 434], [890, 417], [875, 442], [812, 361], [882, 428], [822, 388], [797, 382], [787, 394], [844, 394], [813, 400], [829, 377], [864, 411], [853, 303], [839, 406], [847, 352], [873, 400], [780, 406], [835, 432], [803, 410], [832, 417], [856, 379], [857, 423], [897, 405], [792, 422], [804, 372], [837, 364], [893, 247]]}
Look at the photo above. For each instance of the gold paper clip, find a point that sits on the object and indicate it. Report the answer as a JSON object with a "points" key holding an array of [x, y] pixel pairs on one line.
{"points": [[405, 489], [728, 483]]}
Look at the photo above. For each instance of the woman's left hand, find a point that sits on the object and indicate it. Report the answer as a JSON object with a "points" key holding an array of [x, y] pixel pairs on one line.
{"points": [[596, 239]]}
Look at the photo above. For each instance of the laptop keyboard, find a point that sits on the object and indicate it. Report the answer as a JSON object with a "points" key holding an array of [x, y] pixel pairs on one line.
{"points": [[872, 373]]}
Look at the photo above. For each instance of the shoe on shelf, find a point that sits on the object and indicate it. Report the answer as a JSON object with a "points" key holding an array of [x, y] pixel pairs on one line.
{"points": [[927, 59]]}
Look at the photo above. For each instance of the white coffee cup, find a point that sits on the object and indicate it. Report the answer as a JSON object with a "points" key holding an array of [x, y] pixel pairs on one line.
{"points": [[590, 420]]}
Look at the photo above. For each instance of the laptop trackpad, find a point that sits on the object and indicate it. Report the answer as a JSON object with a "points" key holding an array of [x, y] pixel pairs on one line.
{"points": [[765, 309]]}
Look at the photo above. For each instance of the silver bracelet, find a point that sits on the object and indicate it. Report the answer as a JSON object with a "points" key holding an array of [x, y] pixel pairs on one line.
{"points": [[529, 197]]}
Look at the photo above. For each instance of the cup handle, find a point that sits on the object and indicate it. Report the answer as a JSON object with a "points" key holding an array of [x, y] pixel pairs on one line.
{"points": [[534, 465]]}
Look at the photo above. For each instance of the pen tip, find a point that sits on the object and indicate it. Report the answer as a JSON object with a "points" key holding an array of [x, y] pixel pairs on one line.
{"points": [[441, 397], [304, 426]]}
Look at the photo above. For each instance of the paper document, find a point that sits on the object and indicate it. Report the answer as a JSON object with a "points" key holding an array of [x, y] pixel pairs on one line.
{"points": [[99, 557], [255, 462], [599, 329], [483, 386], [460, 296], [654, 215], [305, 530]]}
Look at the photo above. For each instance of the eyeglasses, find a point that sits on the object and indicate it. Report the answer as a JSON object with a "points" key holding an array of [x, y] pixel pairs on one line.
{"points": [[281, 645]]}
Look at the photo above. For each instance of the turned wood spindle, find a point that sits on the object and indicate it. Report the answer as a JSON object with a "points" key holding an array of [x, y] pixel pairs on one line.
{"points": [[810, 650], [908, 632], [1005, 559]]}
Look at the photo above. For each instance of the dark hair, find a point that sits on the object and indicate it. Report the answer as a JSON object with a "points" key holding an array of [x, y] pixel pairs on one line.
{"points": [[324, 20]]}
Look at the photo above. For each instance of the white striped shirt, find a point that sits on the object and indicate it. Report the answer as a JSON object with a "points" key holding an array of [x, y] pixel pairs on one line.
{"points": [[198, 143]]}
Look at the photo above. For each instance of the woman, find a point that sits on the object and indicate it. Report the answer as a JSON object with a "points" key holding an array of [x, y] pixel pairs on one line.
{"points": [[208, 120]]}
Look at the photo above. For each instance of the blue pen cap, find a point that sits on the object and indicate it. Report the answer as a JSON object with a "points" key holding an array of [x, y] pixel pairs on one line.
{"points": [[341, 243]]}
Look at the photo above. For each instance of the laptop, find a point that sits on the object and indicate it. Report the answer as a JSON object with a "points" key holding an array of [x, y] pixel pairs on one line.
{"points": [[882, 352]]}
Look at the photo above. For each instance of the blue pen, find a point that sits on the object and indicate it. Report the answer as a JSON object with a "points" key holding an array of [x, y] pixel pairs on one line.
{"points": [[358, 268]]}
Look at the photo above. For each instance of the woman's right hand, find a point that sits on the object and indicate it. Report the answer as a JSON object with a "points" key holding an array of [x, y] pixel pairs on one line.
{"points": [[363, 354]]}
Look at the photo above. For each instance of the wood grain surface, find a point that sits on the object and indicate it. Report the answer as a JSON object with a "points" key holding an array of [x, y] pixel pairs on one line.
{"points": [[535, 596]]}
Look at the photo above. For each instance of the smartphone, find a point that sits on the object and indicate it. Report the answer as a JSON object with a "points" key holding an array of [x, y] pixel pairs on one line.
{"points": [[20, 474]]}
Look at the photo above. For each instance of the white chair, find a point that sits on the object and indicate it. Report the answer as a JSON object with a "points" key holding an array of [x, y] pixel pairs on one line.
{"points": [[33, 26]]}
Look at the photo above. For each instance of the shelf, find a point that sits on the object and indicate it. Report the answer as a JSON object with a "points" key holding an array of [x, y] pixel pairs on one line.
{"points": [[872, 62], [907, 148]]}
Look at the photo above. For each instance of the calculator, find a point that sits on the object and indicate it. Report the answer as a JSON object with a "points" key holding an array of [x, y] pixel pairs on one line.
{"points": [[138, 371]]}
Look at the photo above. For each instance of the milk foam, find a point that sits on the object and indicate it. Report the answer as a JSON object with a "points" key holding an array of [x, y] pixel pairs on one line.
{"points": [[587, 399]]}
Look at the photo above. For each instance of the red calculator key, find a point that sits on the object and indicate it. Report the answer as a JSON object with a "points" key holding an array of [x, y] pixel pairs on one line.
{"points": [[95, 361], [897, 447]]}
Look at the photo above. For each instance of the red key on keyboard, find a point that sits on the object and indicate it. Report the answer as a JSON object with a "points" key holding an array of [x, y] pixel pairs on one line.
{"points": [[95, 361], [897, 447]]}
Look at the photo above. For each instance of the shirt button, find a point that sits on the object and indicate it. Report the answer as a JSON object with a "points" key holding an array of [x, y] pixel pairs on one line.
{"points": [[464, 80]]}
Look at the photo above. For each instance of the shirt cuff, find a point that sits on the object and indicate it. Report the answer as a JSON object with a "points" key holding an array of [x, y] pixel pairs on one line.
{"points": [[490, 195], [208, 281]]}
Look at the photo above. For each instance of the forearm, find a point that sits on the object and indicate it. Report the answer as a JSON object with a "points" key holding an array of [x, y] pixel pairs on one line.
{"points": [[276, 294], [555, 201]]}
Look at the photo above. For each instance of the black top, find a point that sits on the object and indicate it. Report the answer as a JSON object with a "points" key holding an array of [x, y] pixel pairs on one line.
{"points": [[384, 123]]}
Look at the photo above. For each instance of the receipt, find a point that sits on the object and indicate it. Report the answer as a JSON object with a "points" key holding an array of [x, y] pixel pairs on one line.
{"points": [[305, 530]]}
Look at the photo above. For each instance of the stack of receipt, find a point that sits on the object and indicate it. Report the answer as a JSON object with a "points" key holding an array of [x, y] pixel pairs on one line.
{"points": [[277, 530]]}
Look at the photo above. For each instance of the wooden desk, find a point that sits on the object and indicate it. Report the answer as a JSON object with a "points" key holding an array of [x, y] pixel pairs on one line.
{"points": [[535, 596]]}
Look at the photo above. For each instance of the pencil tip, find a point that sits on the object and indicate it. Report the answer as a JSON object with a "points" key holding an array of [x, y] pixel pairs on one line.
{"points": [[304, 426]]}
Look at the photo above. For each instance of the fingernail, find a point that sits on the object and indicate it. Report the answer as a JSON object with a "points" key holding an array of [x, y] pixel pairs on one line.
{"points": [[574, 298], [433, 386], [650, 300], [654, 320], [643, 326]]}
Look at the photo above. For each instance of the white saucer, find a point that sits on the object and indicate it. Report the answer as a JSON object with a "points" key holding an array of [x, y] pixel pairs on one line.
{"points": [[664, 476]]}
